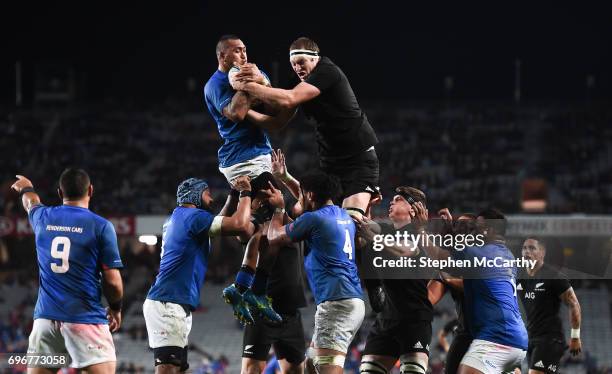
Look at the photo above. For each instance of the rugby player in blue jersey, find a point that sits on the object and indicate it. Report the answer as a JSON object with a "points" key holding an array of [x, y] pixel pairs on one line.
{"points": [[184, 260], [78, 260], [329, 232], [491, 310], [246, 147]]}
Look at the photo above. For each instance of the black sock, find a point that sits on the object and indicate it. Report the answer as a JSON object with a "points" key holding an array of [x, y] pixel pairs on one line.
{"points": [[261, 282]]}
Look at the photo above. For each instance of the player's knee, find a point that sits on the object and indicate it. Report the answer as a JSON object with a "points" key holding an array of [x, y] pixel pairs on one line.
{"points": [[294, 368], [251, 369], [169, 357], [413, 364], [372, 367], [319, 362]]}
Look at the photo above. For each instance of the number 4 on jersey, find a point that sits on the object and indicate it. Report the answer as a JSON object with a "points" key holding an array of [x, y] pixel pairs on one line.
{"points": [[348, 248]]}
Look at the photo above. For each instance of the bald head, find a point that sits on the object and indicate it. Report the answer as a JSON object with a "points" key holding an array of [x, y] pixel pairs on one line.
{"points": [[231, 51]]}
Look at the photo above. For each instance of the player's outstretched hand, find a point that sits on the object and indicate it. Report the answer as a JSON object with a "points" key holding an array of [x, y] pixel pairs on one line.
{"points": [[274, 197], [575, 347], [445, 214], [279, 167], [376, 199], [114, 319], [421, 214], [242, 183], [22, 182]]}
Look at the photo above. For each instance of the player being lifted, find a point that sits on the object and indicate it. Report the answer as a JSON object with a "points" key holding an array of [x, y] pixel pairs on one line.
{"points": [[78, 260], [345, 137], [330, 266], [246, 147], [542, 289], [184, 260]]}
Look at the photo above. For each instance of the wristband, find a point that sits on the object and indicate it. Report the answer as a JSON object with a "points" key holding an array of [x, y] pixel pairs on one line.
{"points": [[116, 306], [26, 190], [286, 177], [245, 193], [234, 193], [279, 210], [575, 333]]}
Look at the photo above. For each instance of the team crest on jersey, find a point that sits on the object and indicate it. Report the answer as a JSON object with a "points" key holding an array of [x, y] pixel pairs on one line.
{"points": [[538, 287]]}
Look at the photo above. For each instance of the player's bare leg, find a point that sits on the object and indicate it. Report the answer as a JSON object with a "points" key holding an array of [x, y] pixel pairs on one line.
{"points": [[42, 371], [359, 201], [291, 368], [252, 366], [464, 369], [101, 368]]}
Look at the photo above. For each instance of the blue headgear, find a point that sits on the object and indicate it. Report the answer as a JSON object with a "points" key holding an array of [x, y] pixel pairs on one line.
{"points": [[190, 192]]}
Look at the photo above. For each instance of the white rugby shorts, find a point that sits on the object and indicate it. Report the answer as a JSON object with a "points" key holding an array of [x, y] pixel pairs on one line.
{"points": [[251, 168], [337, 323], [168, 324], [86, 344], [493, 358]]}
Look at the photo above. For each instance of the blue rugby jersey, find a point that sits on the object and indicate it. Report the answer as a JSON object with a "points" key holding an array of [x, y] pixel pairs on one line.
{"points": [[490, 302], [73, 246], [184, 257], [242, 141], [330, 266]]}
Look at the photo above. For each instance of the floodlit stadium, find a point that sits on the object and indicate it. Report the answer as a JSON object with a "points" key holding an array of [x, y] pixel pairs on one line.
{"points": [[464, 108]]}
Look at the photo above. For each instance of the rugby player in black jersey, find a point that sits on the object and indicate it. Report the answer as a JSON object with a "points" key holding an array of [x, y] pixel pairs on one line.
{"points": [[402, 329], [542, 289], [344, 135], [283, 282], [285, 286]]}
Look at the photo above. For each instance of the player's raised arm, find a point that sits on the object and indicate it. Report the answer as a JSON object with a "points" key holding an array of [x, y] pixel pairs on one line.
{"points": [[575, 316], [277, 233], [29, 197], [435, 291], [238, 222], [421, 218], [280, 172], [231, 203]]}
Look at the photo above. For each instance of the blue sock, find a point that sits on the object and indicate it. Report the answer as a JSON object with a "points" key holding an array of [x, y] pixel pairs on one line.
{"points": [[244, 278]]}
